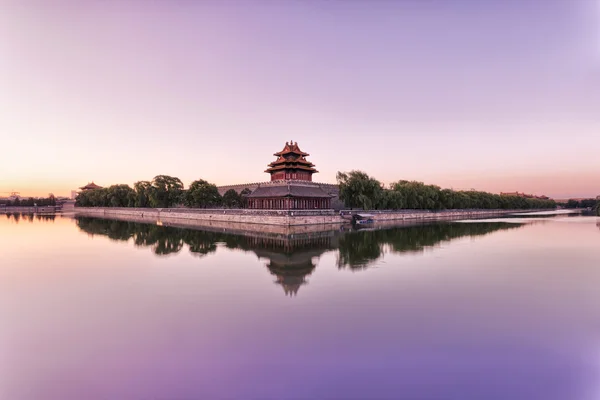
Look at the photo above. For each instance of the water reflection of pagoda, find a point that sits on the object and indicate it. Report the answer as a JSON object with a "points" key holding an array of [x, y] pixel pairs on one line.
{"points": [[291, 260], [290, 257]]}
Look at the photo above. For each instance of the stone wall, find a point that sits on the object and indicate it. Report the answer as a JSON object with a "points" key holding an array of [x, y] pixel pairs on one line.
{"points": [[280, 217], [426, 215], [240, 216]]}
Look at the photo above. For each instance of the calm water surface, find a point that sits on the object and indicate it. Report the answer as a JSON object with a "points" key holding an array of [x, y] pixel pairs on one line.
{"points": [[96, 309]]}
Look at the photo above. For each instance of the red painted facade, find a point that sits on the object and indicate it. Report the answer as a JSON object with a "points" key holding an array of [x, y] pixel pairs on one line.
{"points": [[289, 203]]}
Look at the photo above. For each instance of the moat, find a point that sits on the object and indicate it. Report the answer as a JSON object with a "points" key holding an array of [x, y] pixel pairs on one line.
{"points": [[484, 309]]}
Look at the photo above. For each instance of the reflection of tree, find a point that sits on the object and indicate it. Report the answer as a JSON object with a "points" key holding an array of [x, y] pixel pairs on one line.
{"points": [[46, 217], [30, 217], [290, 258], [201, 243], [358, 249], [115, 230], [163, 240]]}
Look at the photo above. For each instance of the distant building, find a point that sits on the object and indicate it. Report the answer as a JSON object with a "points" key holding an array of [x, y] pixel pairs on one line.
{"points": [[13, 196], [90, 186]]}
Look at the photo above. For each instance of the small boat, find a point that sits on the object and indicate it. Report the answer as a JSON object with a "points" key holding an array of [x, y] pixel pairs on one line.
{"points": [[361, 219]]}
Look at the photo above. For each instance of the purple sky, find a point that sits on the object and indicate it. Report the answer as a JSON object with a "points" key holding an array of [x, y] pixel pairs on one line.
{"points": [[492, 95]]}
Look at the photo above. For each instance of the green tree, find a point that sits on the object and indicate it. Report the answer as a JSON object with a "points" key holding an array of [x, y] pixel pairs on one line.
{"points": [[359, 190], [143, 192], [587, 203], [391, 200], [231, 199], [202, 194], [243, 195], [121, 196], [418, 195], [572, 203], [167, 191]]}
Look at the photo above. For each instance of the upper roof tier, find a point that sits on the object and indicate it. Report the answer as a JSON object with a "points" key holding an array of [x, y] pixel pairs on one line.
{"points": [[291, 147]]}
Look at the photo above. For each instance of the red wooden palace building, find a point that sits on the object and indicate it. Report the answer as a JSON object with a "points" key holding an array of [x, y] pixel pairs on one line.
{"points": [[291, 185]]}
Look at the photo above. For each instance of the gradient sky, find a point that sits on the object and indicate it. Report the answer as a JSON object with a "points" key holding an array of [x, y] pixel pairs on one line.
{"points": [[492, 95]]}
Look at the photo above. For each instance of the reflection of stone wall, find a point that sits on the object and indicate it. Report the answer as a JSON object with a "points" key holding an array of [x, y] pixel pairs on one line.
{"points": [[265, 230]]}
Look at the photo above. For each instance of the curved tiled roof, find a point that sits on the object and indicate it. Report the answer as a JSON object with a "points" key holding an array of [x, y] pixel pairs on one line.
{"points": [[90, 186]]}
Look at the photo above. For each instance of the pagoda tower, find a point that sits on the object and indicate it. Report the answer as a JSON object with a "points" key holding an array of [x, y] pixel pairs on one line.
{"points": [[291, 164], [291, 186]]}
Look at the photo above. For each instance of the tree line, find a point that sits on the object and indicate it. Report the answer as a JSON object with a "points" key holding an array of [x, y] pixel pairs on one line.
{"points": [[584, 203], [359, 190], [162, 192], [30, 202]]}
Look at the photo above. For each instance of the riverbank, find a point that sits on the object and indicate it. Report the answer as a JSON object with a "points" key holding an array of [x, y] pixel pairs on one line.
{"points": [[277, 217]]}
